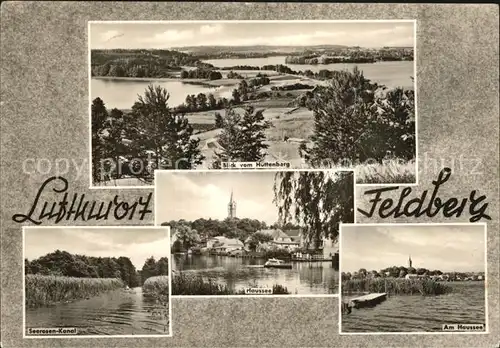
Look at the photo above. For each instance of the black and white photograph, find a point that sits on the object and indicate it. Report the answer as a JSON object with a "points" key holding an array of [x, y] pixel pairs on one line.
{"points": [[97, 282], [413, 278], [254, 232], [190, 95]]}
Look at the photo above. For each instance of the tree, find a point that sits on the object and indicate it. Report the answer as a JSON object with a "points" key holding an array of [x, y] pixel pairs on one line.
{"points": [[187, 236], [148, 269], [258, 238], [214, 75], [113, 144], [230, 139], [242, 138], [236, 97], [319, 201], [253, 126], [219, 121], [162, 266], [201, 101], [342, 117], [402, 273], [177, 246], [99, 116], [184, 74], [212, 102], [168, 135]]}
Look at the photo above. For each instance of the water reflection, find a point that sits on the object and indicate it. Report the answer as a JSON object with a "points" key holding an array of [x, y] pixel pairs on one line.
{"points": [[118, 312], [238, 273]]}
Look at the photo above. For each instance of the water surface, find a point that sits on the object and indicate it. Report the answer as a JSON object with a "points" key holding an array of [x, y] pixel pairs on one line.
{"points": [[239, 273], [465, 305], [116, 312], [392, 74]]}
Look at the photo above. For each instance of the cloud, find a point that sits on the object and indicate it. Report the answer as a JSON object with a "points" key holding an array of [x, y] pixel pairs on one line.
{"points": [[136, 243], [170, 36], [209, 29], [108, 35]]}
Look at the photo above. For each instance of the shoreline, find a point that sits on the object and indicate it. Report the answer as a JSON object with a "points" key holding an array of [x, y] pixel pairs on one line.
{"points": [[201, 82]]}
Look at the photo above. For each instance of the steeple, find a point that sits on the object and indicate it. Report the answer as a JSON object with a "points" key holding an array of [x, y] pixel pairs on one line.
{"points": [[231, 207], [409, 261]]}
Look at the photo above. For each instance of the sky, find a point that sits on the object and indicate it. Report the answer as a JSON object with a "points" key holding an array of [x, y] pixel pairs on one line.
{"points": [[447, 248], [138, 244], [194, 195], [241, 33]]}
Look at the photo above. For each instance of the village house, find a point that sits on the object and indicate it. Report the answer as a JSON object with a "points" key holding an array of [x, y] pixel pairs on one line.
{"points": [[279, 240], [416, 276], [223, 244]]}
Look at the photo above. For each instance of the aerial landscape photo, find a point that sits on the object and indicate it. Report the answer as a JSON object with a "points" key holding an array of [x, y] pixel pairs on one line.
{"points": [[105, 281], [413, 278], [254, 232], [287, 95]]}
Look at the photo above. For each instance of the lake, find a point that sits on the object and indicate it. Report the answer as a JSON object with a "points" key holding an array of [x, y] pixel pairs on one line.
{"points": [[465, 305], [123, 93], [117, 312], [239, 273], [391, 74]]}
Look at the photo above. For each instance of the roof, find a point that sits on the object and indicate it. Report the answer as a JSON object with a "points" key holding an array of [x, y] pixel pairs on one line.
{"points": [[228, 241], [293, 232], [283, 242], [275, 233]]}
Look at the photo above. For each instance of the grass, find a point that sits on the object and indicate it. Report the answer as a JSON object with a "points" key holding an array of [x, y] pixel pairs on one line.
{"points": [[41, 290], [395, 286], [158, 288], [392, 171], [183, 284]]}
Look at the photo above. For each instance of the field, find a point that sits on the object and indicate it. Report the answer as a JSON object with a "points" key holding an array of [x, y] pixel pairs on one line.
{"points": [[43, 290], [395, 286]]}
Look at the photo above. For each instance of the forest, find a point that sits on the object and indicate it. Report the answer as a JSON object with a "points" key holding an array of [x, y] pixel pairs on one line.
{"points": [[141, 63], [63, 264], [191, 233]]}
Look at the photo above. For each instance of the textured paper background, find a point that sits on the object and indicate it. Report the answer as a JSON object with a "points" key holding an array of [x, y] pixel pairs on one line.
{"points": [[45, 115]]}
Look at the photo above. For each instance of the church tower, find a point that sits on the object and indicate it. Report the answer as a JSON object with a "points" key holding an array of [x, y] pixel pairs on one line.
{"points": [[231, 207], [409, 261]]}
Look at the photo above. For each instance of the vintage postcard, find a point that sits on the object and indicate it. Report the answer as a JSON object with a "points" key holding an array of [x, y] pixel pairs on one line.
{"points": [[413, 278], [187, 95], [97, 282], [254, 232]]}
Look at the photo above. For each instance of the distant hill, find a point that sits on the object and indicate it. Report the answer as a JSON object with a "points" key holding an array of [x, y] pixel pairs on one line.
{"points": [[253, 49]]}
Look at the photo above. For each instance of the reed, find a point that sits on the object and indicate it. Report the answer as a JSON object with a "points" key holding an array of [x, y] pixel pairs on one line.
{"points": [[195, 285], [44, 290], [183, 284], [158, 288], [395, 286], [156, 285]]}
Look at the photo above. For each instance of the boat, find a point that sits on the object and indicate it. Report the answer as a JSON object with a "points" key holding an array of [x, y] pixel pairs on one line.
{"points": [[275, 263]]}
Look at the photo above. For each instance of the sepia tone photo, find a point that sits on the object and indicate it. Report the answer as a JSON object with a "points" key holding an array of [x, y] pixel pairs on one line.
{"points": [[254, 232], [191, 95], [97, 281], [413, 278]]}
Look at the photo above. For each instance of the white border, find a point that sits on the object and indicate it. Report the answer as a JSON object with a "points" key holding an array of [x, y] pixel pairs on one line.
{"points": [[166, 228], [414, 21], [194, 172], [395, 225]]}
